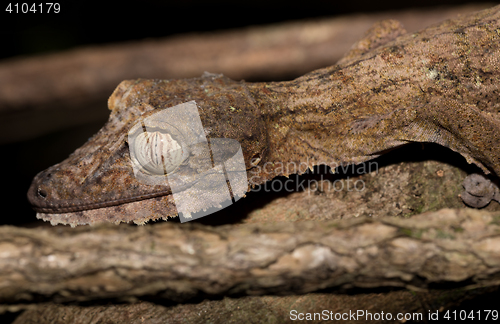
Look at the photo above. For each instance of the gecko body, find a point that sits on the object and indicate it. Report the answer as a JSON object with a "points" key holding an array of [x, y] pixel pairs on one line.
{"points": [[439, 85]]}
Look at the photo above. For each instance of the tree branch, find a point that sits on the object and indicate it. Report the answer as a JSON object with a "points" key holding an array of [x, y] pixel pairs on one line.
{"points": [[181, 262]]}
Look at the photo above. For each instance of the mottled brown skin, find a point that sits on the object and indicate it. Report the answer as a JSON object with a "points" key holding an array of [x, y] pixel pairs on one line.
{"points": [[439, 85]]}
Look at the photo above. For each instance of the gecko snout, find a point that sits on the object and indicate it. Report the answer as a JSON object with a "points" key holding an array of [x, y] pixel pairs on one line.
{"points": [[41, 193], [38, 194]]}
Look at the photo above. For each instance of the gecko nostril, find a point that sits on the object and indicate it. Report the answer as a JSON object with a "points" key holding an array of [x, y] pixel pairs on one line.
{"points": [[42, 193]]}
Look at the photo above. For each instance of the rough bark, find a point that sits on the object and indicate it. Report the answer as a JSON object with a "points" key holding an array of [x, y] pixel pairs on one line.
{"points": [[182, 262]]}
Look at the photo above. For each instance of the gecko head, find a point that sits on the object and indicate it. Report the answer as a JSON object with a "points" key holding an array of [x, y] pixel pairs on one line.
{"points": [[154, 140]]}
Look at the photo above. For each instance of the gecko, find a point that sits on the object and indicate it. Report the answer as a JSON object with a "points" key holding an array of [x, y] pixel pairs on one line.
{"points": [[439, 85]]}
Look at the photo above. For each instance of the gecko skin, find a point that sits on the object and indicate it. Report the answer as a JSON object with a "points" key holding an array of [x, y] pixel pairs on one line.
{"points": [[439, 85]]}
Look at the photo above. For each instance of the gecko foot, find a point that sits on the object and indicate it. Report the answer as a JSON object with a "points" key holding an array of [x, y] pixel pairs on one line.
{"points": [[479, 191]]}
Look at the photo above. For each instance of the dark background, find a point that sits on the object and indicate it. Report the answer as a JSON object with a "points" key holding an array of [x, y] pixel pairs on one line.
{"points": [[98, 22]]}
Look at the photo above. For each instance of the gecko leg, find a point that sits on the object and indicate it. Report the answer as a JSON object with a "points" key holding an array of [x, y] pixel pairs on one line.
{"points": [[466, 130], [475, 135]]}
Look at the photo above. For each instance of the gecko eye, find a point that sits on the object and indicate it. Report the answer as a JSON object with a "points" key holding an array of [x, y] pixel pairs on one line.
{"points": [[157, 152], [162, 139]]}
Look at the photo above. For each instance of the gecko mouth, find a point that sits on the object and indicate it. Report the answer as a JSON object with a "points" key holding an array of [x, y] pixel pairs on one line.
{"points": [[55, 191], [42, 200]]}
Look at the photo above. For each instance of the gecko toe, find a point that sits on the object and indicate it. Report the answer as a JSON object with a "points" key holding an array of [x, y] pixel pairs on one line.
{"points": [[474, 201], [479, 191]]}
